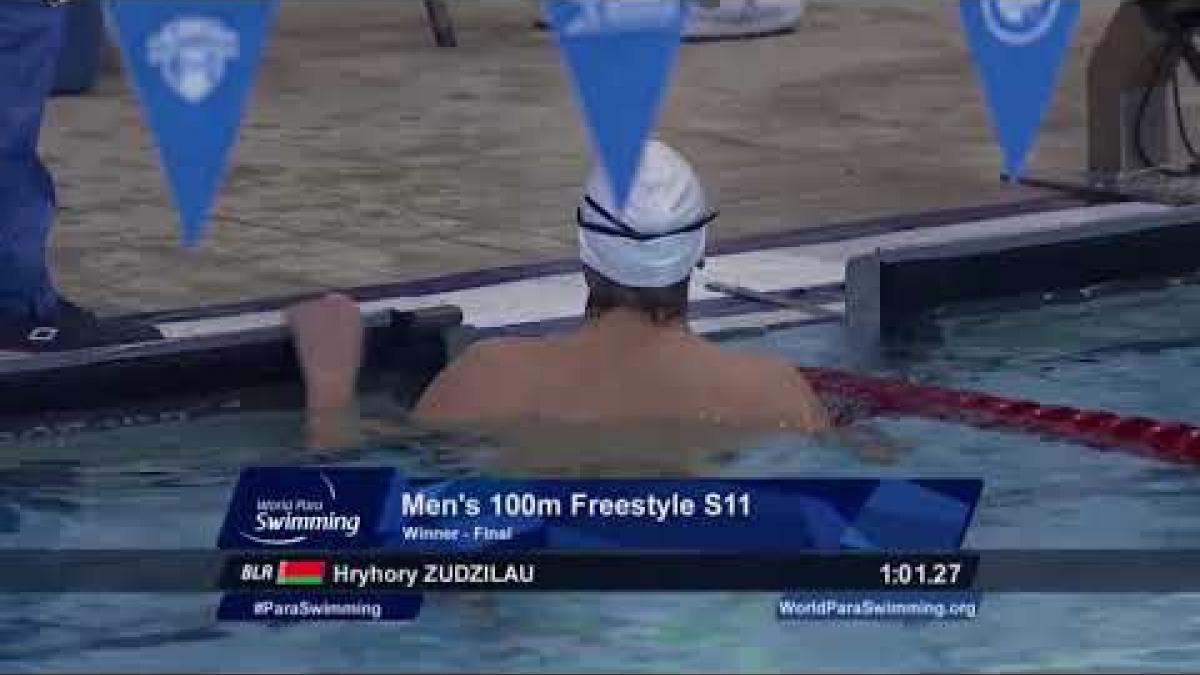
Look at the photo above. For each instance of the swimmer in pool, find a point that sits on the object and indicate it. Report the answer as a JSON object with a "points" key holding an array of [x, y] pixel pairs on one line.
{"points": [[633, 362]]}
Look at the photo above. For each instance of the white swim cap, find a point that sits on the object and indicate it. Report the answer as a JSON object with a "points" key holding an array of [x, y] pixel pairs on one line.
{"points": [[658, 238]]}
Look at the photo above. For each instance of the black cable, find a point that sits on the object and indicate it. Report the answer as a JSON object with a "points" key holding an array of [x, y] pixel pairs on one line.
{"points": [[1160, 76], [1184, 135]]}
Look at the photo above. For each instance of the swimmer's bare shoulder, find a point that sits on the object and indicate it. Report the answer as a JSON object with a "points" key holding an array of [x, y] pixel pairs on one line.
{"points": [[489, 381], [772, 391]]}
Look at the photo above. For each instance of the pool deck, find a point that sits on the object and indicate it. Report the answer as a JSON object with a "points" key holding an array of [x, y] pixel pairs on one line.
{"points": [[370, 157]]}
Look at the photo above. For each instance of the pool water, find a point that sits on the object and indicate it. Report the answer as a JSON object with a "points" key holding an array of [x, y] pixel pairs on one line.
{"points": [[1137, 353]]}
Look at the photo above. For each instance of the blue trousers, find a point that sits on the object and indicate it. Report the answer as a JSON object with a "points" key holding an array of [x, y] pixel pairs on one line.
{"points": [[30, 36]]}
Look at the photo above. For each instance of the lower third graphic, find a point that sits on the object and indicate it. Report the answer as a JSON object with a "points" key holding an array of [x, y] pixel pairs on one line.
{"points": [[879, 606], [295, 607]]}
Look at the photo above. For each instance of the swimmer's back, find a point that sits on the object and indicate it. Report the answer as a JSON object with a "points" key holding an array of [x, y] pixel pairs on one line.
{"points": [[677, 377]]}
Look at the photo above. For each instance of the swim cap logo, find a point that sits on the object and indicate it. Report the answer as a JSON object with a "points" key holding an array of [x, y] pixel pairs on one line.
{"points": [[290, 520], [602, 16], [1020, 22], [192, 54]]}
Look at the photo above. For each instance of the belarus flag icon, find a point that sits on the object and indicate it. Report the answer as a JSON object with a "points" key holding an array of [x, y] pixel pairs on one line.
{"points": [[301, 573]]}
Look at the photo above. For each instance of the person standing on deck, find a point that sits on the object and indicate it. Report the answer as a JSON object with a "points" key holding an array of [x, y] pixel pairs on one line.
{"points": [[33, 316]]}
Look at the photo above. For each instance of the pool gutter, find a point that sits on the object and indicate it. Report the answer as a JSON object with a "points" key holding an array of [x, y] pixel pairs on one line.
{"points": [[890, 292]]}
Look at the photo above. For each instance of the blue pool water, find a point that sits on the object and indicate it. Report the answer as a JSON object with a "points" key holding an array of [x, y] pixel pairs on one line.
{"points": [[1138, 353]]}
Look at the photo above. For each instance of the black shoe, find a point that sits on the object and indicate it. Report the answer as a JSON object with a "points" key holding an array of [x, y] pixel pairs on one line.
{"points": [[70, 327]]}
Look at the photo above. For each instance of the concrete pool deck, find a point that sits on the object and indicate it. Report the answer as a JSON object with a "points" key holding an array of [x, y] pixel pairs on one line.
{"points": [[369, 156]]}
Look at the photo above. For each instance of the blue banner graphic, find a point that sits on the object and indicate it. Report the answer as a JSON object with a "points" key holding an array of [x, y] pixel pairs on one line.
{"points": [[619, 56], [193, 63], [364, 508], [294, 607], [1018, 47]]}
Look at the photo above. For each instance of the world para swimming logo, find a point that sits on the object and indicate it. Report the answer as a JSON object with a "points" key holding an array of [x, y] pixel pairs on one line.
{"points": [[289, 520], [1020, 22], [193, 54]]}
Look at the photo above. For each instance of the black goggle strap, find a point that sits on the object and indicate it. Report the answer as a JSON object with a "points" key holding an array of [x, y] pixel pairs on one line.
{"points": [[620, 229]]}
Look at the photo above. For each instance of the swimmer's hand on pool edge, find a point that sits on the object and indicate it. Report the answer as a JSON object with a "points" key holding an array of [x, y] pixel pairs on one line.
{"points": [[327, 334]]}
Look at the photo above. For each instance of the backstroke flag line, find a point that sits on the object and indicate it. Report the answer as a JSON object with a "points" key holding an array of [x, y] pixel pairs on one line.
{"points": [[193, 63], [1018, 47], [619, 54]]}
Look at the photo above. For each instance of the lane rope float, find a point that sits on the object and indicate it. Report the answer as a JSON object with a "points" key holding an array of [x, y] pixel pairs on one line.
{"points": [[1164, 440]]}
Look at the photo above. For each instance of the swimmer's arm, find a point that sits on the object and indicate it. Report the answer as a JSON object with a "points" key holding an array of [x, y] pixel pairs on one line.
{"points": [[782, 396], [795, 404], [809, 405], [327, 334], [811, 414], [868, 443], [847, 430]]}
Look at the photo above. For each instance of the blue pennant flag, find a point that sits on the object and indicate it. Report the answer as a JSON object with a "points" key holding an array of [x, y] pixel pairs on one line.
{"points": [[619, 54], [1018, 47], [193, 63]]}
